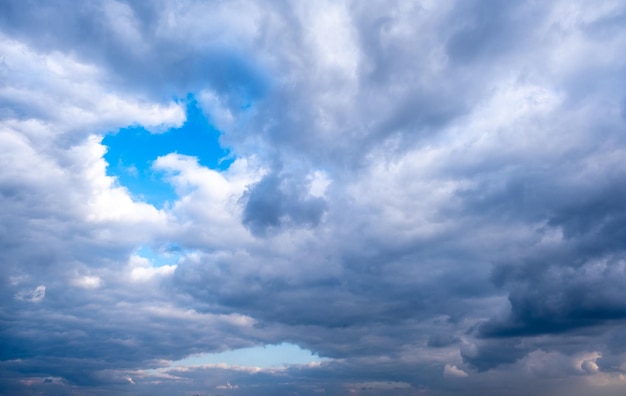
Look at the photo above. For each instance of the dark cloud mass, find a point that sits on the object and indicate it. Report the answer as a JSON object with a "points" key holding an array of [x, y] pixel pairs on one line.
{"points": [[276, 201], [426, 195]]}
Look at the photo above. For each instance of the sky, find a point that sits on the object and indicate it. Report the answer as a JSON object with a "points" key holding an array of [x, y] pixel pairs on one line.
{"points": [[313, 197]]}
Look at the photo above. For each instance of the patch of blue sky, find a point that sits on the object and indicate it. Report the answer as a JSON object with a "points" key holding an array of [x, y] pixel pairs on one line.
{"points": [[132, 150], [267, 356], [166, 255]]}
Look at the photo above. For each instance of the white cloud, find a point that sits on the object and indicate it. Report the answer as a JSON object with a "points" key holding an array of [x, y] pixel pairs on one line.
{"points": [[87, 281], [328, 30], [452, 371], [123, 23], [218, 112], [106, 201], [209, 208], [179, 22], [227, 386], [319, 183], [144, 274], [71, 96], [35, 295], [586, 363], [142, 269]]}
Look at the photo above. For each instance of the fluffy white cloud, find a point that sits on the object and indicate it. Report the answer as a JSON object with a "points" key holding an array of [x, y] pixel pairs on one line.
{"points": [[87, 281], [450, 370]]}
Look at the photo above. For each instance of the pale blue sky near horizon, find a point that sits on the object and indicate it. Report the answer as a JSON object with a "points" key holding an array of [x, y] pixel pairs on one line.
{"points": [[264, 356]]}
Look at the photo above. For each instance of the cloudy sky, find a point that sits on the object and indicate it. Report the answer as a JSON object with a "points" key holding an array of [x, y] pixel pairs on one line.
{"points": [[313, 197]]}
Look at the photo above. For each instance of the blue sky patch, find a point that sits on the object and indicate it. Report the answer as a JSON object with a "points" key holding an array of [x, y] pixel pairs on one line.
{"points": [[264, 356], [132, 150], [168, 254]]}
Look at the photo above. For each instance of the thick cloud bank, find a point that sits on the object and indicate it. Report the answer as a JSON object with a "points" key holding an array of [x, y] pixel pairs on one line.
{"points": [[429, 196]]}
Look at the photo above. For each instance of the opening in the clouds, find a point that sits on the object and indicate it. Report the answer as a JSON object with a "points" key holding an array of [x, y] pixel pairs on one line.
{"points": [[267, 356], [166, 255], [132, 150]]}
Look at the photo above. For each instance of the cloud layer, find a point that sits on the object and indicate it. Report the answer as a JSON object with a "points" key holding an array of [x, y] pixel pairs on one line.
{"points": [[427, 195]]}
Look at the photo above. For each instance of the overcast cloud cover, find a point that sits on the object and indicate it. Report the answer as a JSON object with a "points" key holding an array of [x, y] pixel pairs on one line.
{"points": [[429, 196]]}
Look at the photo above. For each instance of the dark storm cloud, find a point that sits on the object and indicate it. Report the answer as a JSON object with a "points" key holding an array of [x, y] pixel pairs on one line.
{"points": [[576, 280], [278, 200], [335, 313], [578, 285], [488, 355], [442, 340]]}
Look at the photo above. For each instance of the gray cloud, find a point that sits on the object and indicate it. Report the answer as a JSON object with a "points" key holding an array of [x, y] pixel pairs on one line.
{"points": [[275, 201], [417, 187]]}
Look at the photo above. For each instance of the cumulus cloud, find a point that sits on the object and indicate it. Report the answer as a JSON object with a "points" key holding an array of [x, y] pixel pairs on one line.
{"points": [[450, 370]]}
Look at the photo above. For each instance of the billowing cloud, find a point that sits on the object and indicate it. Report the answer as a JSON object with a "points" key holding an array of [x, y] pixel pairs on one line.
{"points": [[428, 196], [450, 370]]}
